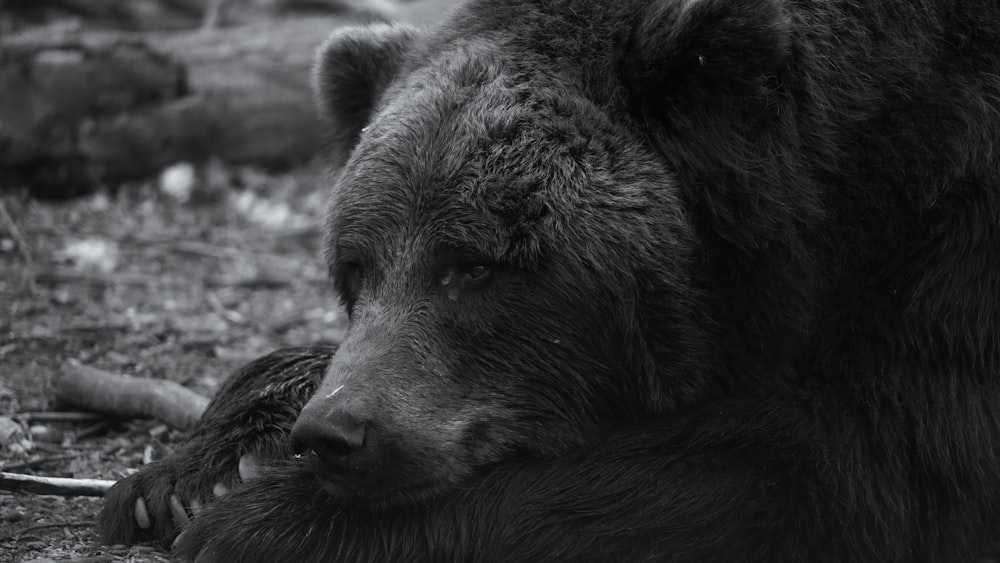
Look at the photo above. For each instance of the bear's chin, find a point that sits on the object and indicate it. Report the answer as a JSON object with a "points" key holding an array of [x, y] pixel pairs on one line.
{"points": [[379, 496], [393, 489]]}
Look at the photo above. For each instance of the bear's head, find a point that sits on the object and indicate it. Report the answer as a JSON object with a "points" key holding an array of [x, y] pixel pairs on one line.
{"points": [[520, 262]]}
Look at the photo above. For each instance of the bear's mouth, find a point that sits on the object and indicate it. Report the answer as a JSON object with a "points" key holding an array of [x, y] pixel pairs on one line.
{"points": [[373, 488], [382, 496]]}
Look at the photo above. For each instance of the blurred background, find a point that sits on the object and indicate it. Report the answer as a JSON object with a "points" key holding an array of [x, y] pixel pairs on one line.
{"points": [[162, 192], [97, 92]]}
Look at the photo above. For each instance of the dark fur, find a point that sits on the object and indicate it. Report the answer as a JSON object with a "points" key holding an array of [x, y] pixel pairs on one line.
{"points": [[251, 414], [744, 301]]}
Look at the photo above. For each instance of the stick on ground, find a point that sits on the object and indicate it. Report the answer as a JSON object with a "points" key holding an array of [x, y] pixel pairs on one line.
{"points": [[140, 397], [61, 486]]}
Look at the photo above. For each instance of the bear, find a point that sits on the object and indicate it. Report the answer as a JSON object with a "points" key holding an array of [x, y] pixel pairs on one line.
{"points": [[664, 280]]}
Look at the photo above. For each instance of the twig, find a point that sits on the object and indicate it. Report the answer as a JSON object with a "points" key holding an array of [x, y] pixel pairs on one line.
{"points": [[98, 352], [58, 416], [60, 486], [232, 316], [90, 431]]}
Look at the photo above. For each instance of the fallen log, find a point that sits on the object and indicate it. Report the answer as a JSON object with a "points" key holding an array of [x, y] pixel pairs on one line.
{"points": [[81, 108], [138, 397]]}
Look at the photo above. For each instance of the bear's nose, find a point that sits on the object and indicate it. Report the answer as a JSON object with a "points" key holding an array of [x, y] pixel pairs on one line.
{"points": [[332, 435]]}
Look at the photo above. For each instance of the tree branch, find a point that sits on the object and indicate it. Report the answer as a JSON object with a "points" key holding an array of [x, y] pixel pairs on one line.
{"points": [[16, 482], [141, 397]]}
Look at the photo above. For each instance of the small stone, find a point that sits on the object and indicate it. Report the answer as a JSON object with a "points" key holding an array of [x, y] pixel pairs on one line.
{"points": [[178, 181]]}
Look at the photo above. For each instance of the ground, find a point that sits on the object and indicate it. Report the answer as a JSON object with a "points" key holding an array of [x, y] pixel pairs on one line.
{"points": [[144, 283]]}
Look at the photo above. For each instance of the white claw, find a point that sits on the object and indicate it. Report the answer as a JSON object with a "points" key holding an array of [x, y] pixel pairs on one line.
{"points": [[220, 490], [142, 514], [177, 511], [249, 468]]}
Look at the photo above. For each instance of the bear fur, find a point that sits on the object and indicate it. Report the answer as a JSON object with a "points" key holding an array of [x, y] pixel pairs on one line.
{"points": [[670, 280]]}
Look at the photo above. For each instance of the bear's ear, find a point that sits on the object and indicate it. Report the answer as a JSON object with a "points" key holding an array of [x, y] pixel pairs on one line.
{"points": [[692, 60], [353, 68], [711, 83]]}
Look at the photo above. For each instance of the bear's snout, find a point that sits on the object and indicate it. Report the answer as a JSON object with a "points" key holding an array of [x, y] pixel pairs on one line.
{"points": [[334, 436], [337, 443]]}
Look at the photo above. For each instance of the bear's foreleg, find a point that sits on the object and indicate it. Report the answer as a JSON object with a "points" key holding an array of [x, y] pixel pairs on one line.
{"points": [[741, 481], [246, 423]]}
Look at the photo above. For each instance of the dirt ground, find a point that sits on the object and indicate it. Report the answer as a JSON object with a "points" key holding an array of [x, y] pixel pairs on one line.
{"points": [[148, 281]]}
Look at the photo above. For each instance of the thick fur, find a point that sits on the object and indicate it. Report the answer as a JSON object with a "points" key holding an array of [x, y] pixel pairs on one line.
{"points": [[741, 298], [251, 414]]}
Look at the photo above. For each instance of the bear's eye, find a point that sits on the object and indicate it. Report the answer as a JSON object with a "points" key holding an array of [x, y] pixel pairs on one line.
{"points": [[348, 279], [477, 272]]}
